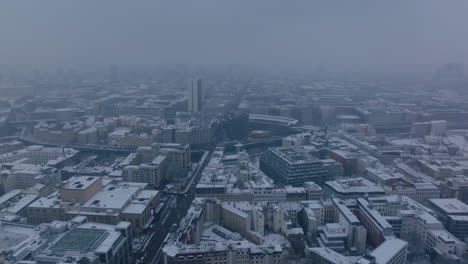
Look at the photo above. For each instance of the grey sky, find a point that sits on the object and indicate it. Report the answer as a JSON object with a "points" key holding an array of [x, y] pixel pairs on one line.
{"points": [[393, 34]]}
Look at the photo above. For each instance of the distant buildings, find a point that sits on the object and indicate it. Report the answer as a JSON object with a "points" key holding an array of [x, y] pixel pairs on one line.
{"points": [[39, 155], [236, 125], [195, 132], [24, 176], [435, 127], [297, 140], [33, 165], [195, 101], [10, 146], [450, 73], [388, 119], [16, 90]]}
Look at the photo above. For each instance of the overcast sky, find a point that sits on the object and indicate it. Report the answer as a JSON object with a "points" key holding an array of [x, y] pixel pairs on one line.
{"points": [[374, 34]]}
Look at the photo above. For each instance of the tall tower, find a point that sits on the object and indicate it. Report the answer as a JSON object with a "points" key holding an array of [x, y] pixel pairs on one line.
{"points": [[195, 95]]}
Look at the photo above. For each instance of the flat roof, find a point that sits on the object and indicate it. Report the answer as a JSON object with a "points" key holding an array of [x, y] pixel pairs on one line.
{"points": [[450, 206], [286, 121], [374, 215], [344, 210], [354, 185], [13, 236], [24, 200], [80, 182], [445, 236], [294, 155], [115, 196], [140, 203], [80, 239], [51, 201], [331, 255], [310, 185], [7, 196], [388, 249]]}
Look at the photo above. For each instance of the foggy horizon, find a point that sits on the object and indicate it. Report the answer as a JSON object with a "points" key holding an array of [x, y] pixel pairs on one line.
{"points": [[397, 36]]}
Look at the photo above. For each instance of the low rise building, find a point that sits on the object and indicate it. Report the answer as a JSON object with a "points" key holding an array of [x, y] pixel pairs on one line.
{"points": [[102, 201], [76, 241], [352, 188], [89, 243], [453, 214], [39, 155]]}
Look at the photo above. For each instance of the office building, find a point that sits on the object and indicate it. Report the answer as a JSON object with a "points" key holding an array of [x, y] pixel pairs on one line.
{"points": [[352, 188], [293, 166], [453, 214], [195, 101]]}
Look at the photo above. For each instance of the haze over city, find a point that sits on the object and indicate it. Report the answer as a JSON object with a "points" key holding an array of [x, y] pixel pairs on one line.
{"points": [[398, 36], [233, 132]]}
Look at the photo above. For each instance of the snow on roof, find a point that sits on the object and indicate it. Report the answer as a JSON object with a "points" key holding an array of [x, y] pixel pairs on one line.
{"points": [[113, 197], [331, 255], [428, 219], [51, 201], [450, 206], [24, 201], [445, 236], [9, 195], [345, 212], [388, 249], [80, 182], [354, 185], [140, 203]]}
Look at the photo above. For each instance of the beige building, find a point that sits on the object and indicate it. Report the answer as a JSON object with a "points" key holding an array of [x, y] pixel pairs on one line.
{"points": [[151, 173], [239, 221], [100, 200], [178, 156], [80, 189]]}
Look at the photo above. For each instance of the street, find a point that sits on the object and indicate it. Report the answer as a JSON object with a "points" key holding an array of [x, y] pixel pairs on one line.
{"points": [[177, 206]]}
